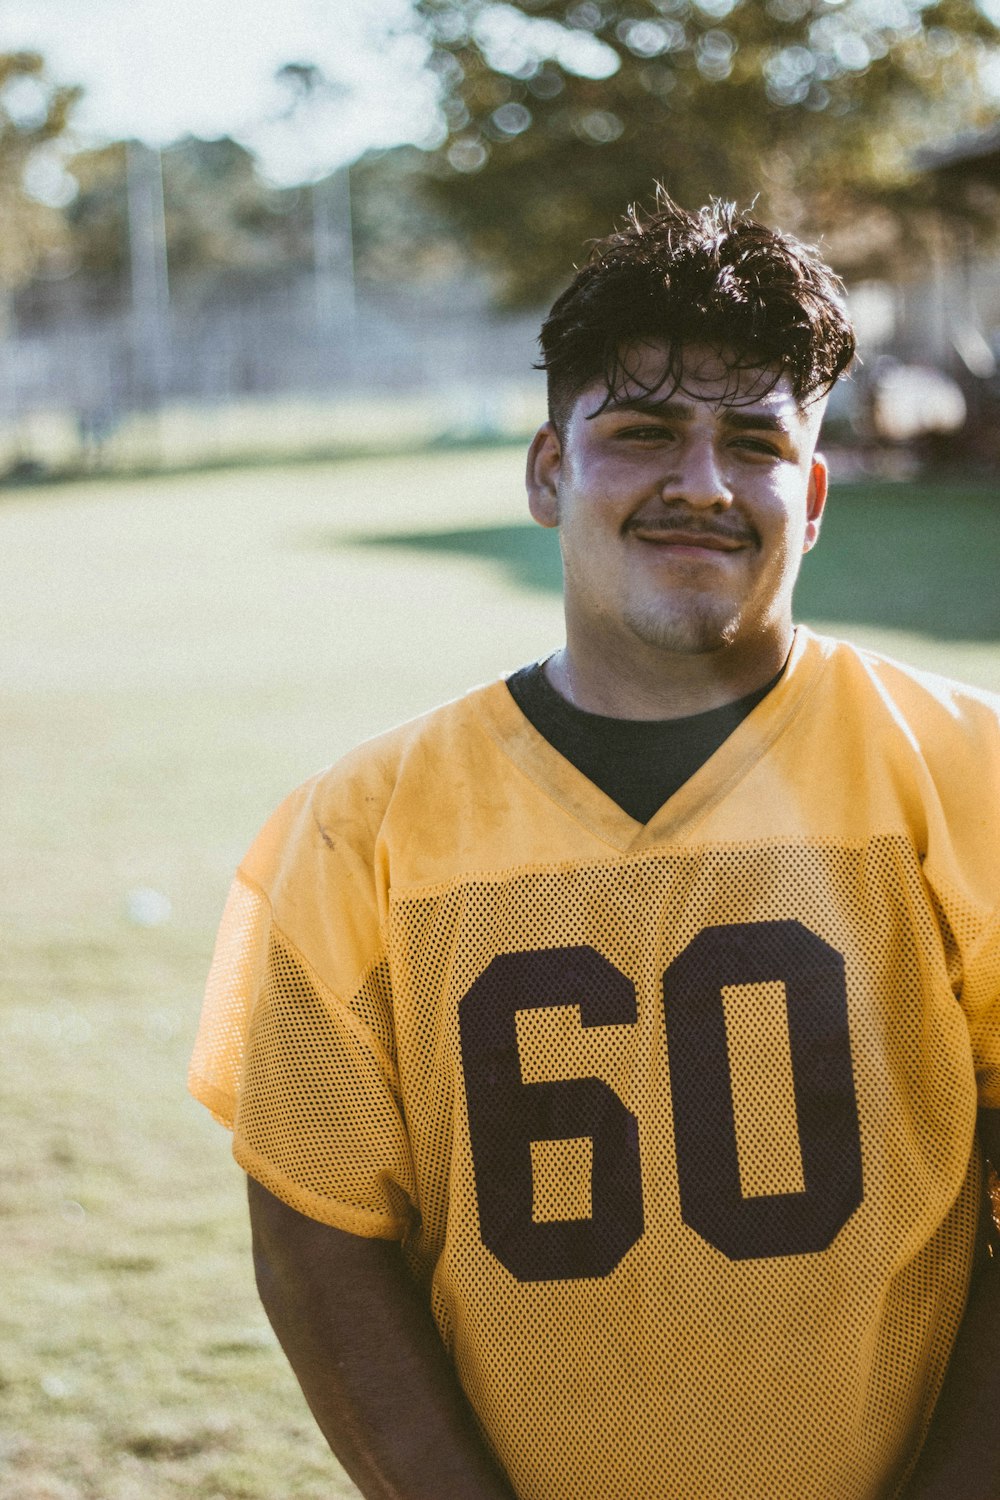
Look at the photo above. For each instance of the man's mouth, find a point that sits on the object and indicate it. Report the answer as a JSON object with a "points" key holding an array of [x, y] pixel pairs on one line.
{"points": [[686, 539]]}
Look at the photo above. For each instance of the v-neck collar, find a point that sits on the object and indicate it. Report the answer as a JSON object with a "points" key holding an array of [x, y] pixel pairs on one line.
{"points": [[596, 811]]}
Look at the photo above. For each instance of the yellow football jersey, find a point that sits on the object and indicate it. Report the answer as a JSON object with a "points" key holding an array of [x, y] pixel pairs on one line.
{"points": [[675, 1121]]}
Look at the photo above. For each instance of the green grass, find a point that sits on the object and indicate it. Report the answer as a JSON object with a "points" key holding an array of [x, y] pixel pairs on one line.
{"points": [[175, 654]]}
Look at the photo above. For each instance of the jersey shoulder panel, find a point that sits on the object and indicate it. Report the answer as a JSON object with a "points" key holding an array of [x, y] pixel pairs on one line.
{"points": [[944, 737], [322, 859], [939, 707]]}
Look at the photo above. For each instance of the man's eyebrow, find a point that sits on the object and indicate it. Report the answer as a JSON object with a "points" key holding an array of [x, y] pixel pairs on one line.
{"points": [[683, 411], [756, 420]]}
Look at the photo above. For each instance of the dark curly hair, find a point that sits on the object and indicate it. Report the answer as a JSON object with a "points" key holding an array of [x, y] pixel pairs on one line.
{"points": [[716, 277]]}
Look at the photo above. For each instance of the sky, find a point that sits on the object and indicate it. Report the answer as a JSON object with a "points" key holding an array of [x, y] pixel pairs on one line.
{"points": [[160, 69]]}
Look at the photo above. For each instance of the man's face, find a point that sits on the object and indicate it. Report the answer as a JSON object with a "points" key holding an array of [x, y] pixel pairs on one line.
{"points": [[683, 516]]}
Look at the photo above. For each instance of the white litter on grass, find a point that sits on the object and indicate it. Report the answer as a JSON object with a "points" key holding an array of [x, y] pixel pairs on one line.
{"points": [[76, 1029], [56, 1386], [148, 908]]}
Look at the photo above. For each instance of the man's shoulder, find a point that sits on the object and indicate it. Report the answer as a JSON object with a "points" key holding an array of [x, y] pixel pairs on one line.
{"points": [[920, 736], [929, 702], [323, 841], [349, 799], [456, 727]]}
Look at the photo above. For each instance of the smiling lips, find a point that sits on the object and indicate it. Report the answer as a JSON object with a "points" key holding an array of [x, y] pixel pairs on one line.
{"points": [[686, 539]]}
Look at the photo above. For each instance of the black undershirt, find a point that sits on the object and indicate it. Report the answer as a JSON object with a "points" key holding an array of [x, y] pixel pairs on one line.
{"points": [[638, 763]]}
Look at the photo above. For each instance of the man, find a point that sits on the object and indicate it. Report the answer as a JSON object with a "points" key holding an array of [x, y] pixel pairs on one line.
{"points": [[604, 1049]]}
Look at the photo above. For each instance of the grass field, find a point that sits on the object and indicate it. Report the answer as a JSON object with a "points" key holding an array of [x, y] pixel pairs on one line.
{"points": [[176, 654]]}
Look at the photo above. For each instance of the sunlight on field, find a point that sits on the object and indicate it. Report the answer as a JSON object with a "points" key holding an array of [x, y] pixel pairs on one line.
{"points": [[176, 654]]}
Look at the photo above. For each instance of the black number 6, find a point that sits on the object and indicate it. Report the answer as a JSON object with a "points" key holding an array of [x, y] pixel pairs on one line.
{"points": [[506, 1115]]}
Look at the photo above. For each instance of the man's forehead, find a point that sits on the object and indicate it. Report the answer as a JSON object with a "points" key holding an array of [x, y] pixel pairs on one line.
{"points": [[650, 374]]}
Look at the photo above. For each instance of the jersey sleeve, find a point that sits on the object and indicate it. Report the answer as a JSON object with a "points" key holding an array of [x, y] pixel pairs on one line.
{"points": [[962, 862], [981, 1003], [295, 1050]]}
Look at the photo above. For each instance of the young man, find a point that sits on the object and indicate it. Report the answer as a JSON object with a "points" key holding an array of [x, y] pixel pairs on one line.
{"points": [[604, 1049]]}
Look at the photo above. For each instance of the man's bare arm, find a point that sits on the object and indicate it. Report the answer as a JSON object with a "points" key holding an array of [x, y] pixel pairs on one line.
{"points": [[961, 1458], [364, 1348]]}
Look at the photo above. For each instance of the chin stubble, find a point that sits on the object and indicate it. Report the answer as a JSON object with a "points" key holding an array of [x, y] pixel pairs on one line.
{"points": [[701, 627]]}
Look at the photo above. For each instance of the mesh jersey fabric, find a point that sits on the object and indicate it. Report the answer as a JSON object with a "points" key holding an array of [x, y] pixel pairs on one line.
{"points": [[675, 1121]]}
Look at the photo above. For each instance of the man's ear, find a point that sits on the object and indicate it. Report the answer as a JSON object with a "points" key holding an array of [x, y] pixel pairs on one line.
{"points": [[542, 475], [816, 494]]}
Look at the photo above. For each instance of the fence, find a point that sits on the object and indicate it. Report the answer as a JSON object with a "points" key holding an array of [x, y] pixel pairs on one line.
{"points": [[288, 369], [303, 366]]}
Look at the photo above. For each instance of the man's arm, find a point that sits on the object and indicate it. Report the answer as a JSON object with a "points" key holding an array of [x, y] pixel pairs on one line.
{"points": [[961, 1458], [366, 1352]]}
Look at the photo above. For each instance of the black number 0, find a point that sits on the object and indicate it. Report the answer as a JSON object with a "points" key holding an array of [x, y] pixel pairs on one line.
{"points": [[506, 1114]]}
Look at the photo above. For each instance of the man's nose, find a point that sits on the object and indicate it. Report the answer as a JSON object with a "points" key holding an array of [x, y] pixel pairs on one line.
{"points": [[697, 479]]}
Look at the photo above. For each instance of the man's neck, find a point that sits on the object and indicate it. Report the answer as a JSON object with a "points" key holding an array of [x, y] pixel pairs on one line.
{"points": [[664, 685]]}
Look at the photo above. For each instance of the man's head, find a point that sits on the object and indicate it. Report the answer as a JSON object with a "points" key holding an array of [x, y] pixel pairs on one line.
{"points": [[688, 367], [715, 278]]}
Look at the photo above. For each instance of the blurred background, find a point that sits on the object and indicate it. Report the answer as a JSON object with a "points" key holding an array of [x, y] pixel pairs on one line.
{"points": [[270, 280], [222, 231]]}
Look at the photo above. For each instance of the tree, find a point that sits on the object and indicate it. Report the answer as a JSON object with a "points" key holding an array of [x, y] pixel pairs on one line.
{"points": [[34, 113], [401, 236], [224, 221], [221, 217], [559, 112]]}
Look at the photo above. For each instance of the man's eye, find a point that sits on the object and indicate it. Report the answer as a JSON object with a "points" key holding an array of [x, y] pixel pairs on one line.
{"points": [[757, 445], [646, 433]]}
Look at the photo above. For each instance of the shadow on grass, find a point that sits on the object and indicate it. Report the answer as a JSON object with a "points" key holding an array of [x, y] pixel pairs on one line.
{"points": [[918, 557]]}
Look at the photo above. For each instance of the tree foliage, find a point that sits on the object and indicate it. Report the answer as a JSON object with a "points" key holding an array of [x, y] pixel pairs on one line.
{"points": [[34, 112], [221, 218], [224, 222], [560, 112], [400, 235]]}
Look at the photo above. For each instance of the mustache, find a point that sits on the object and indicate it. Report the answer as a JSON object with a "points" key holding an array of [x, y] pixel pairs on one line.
{"points": [[735, 530]]}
